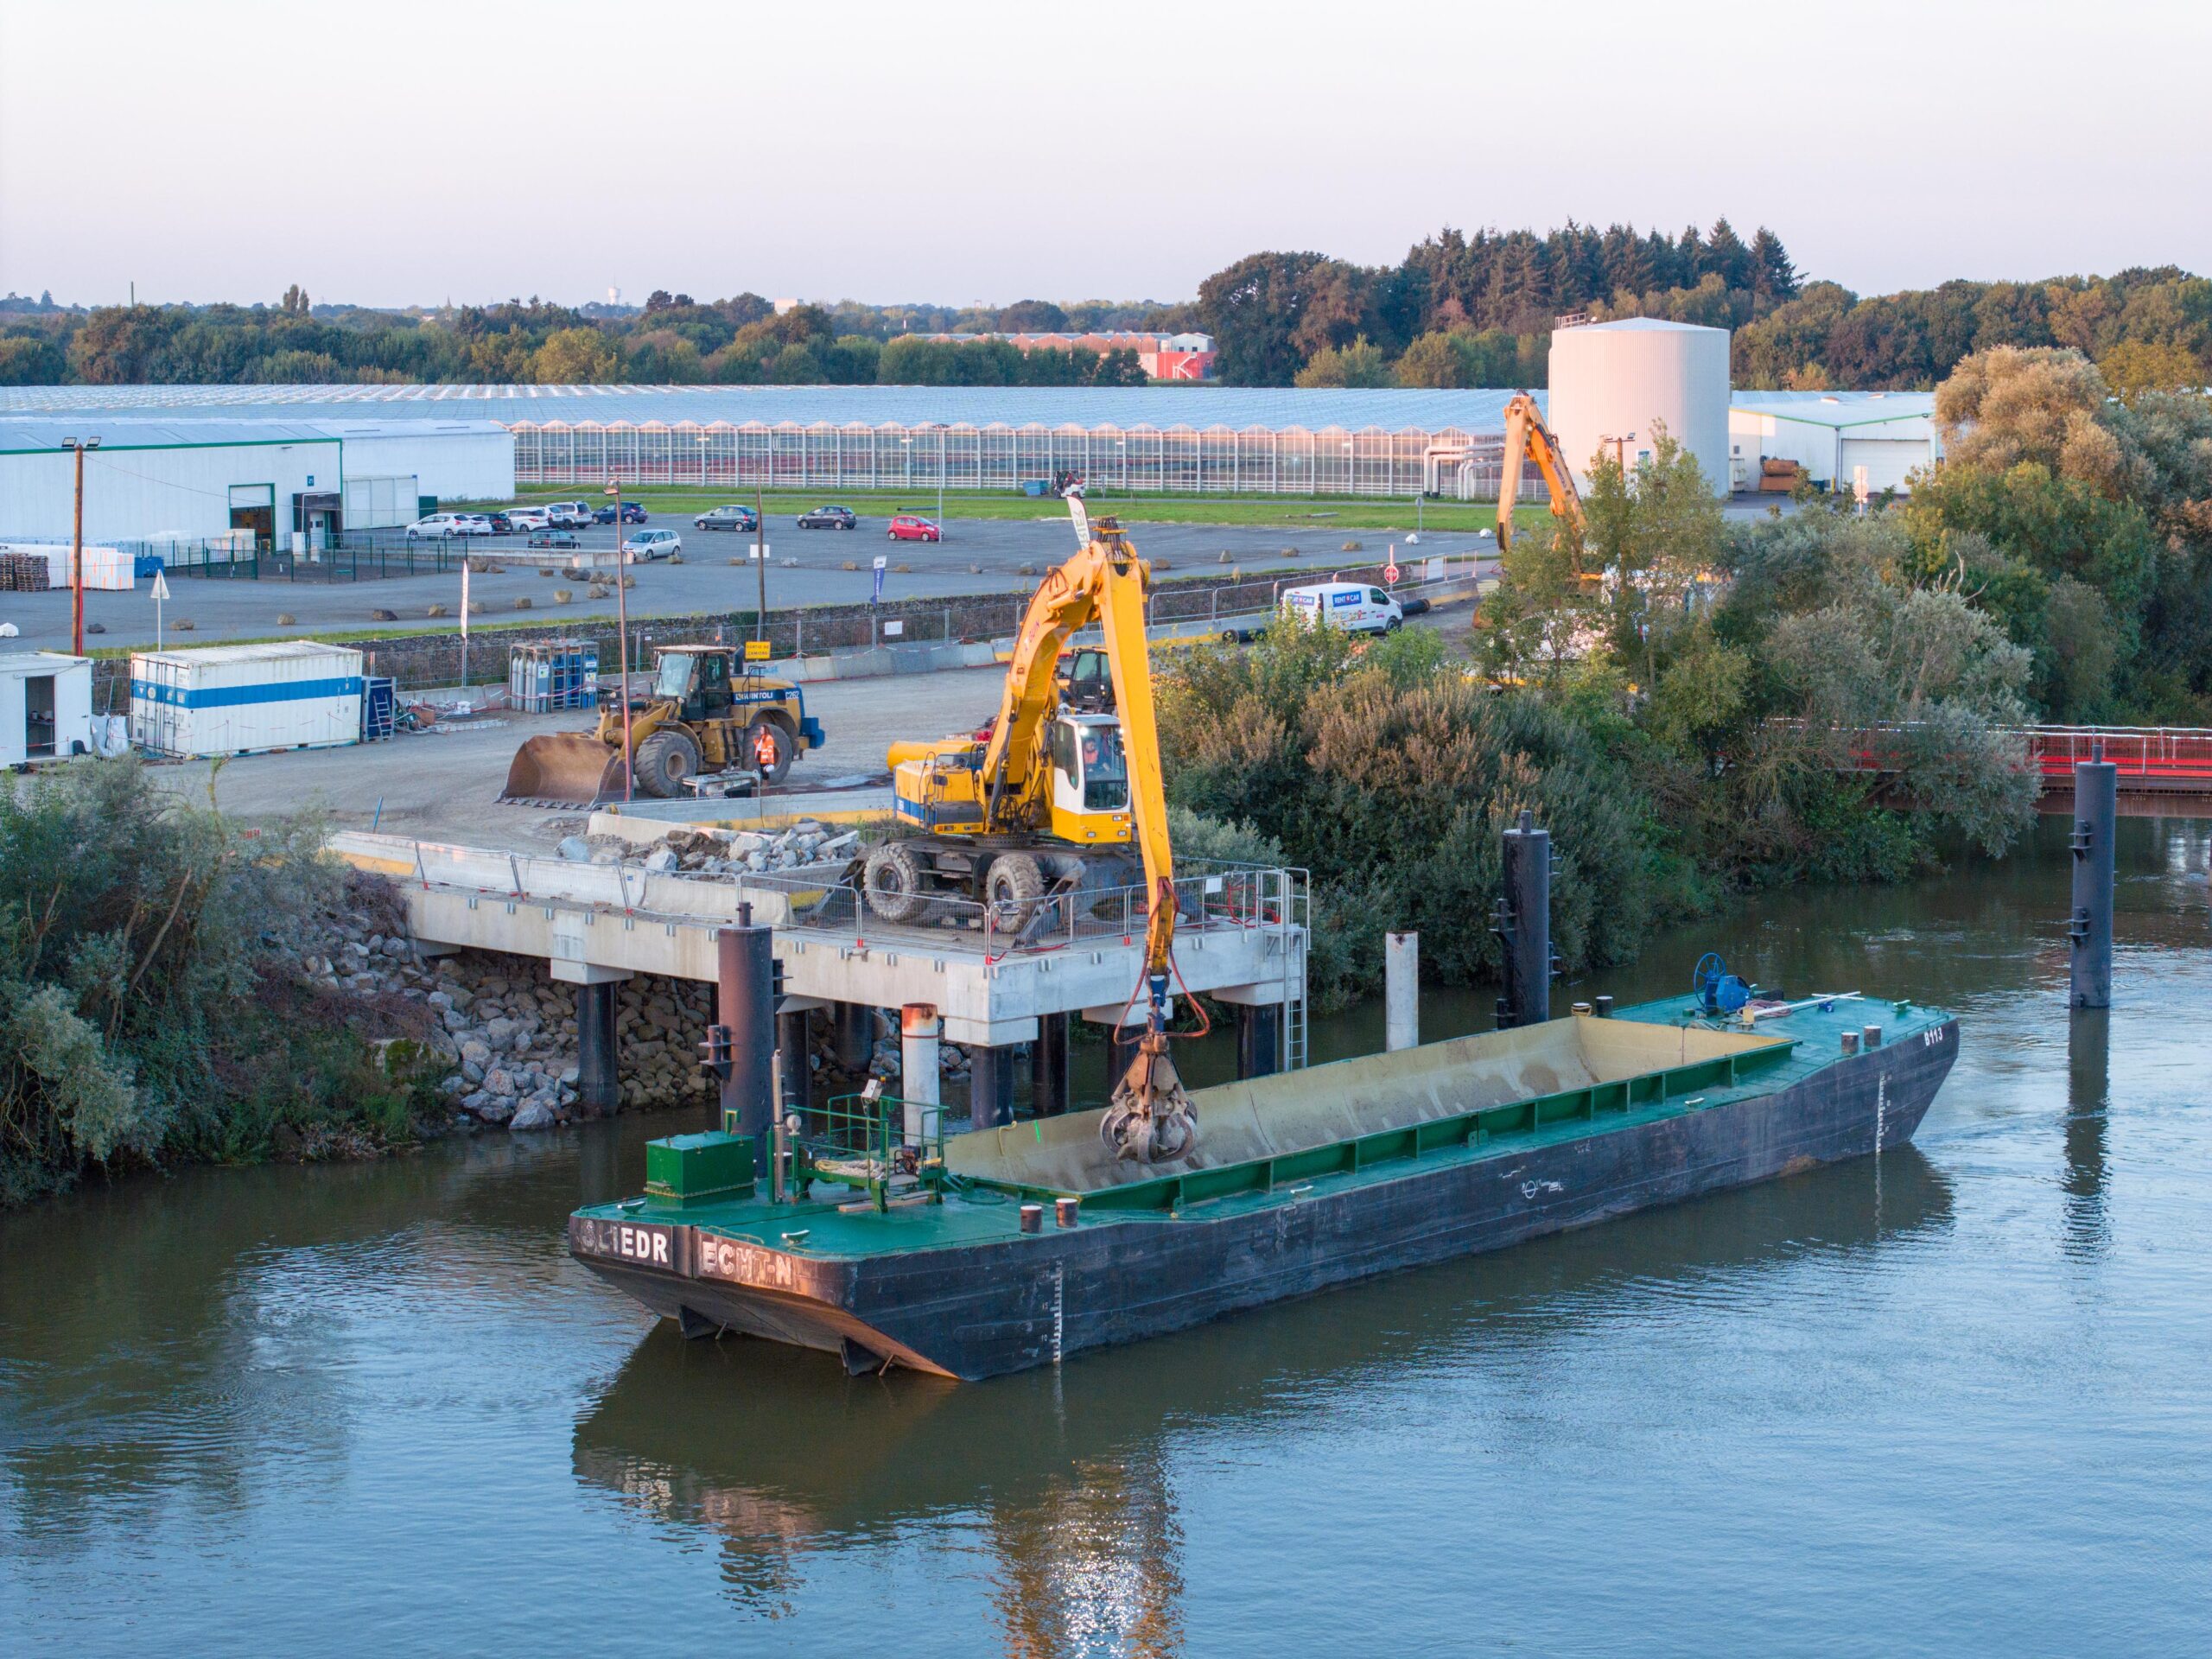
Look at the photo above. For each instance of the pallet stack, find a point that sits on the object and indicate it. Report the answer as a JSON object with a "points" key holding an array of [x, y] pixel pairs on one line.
{"points": [[24, 573]]}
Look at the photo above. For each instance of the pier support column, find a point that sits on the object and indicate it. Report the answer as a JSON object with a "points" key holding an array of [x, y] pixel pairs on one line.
{"points": [[745, 1007], [2096, 808], [599, 1047], [855, 1034], [920, 1029], [599, 1069], [798, 1076], [991, 1087], [1524, 924], [1048, 1065], [1402, 990], [1258, 1040]]}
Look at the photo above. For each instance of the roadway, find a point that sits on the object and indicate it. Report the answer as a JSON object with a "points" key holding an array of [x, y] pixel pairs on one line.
{"points": [[977, 557]]}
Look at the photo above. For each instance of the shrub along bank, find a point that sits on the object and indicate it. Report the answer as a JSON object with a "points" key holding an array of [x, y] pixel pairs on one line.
{"points": [[1685, 728]]}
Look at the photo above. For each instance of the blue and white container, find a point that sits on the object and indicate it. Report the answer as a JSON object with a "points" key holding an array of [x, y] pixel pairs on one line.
{"points": [[292, 694]]}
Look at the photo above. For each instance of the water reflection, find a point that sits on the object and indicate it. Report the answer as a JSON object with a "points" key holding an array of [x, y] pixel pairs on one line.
{"points": [[2088, 1100], [785, 1460]]}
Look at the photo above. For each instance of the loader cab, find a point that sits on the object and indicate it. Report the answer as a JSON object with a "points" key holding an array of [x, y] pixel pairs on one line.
{"points": [[1090, 778], [1086, 680], [697, 681]]}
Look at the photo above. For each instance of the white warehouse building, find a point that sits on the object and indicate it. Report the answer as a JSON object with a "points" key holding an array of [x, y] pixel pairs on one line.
{"points": [[1831, 434], [190, 479]]}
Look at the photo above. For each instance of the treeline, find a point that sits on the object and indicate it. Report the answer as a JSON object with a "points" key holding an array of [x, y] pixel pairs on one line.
{"points": [[1458, 310], [673, 340]]}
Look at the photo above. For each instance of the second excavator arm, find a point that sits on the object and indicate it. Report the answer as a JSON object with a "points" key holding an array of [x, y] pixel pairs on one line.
{"points": [[1527, 438]]}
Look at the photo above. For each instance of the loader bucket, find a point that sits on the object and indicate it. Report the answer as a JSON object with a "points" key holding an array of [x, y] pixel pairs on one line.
{"points": [[564, 769]]}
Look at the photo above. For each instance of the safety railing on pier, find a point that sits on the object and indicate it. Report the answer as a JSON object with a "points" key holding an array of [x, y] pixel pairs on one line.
{"points": [[2164, 758]]}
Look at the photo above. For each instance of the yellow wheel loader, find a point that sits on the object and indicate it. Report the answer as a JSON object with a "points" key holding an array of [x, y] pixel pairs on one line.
{"points": [[704, 713]]}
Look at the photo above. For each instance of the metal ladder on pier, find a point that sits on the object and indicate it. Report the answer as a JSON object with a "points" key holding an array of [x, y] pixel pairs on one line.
{"points": [[1296, 920]]}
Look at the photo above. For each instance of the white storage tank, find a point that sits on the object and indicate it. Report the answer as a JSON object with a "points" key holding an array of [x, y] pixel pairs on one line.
{"points": [[293, 694], [45, 706], [1610, 380]]}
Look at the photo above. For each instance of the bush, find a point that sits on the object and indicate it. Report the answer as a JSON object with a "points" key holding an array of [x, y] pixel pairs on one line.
{"points": [[146, 1008]]}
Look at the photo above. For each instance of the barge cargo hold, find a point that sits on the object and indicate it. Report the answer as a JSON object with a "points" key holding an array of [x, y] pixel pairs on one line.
{"points": [[1300, 1181]]}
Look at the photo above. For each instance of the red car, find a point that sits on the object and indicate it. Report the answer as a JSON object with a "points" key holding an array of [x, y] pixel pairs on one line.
{"points": [[908, 527]]}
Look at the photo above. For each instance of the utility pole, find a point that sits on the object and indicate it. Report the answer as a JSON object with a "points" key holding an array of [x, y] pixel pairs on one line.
{"points": [[760, 542], [77, 548], [622, 637]]}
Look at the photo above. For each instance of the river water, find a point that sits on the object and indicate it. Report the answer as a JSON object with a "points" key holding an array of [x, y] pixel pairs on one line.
{"points": [[1955, 1401]]}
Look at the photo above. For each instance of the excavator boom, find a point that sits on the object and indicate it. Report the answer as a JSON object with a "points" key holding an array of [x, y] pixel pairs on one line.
{"points": [[1527, 438]]}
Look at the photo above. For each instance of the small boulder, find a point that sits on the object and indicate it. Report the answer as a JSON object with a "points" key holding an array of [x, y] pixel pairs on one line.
{"points": [[534, 1115], [562, 595], [435, 610], [382, 615], [522, 602], [849, 564], [285, 620], [548, 570], [181, 624], [575, 849], [494, 1110], [95, 627], [1350, 547], [661, 858]]}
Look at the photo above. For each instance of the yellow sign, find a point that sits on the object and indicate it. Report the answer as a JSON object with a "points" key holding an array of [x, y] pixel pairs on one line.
{"points": [[756, 651]]}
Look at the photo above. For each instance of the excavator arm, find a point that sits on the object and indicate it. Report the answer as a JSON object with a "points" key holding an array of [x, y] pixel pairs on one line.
{"points": [[1527, 437], [1150, 1118]]}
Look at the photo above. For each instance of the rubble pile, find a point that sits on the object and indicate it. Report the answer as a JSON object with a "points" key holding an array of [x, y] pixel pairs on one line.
{"points": [[719, 852]]}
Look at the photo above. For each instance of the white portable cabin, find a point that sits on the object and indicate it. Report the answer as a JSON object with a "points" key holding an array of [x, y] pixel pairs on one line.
{"points": [[45, 706], [293, 694]]}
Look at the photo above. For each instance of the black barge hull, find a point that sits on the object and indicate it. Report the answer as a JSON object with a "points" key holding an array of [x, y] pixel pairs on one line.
{"points": [[1009, 1304]]}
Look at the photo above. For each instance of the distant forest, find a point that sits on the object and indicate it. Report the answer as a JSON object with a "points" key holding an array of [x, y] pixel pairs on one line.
{"points": [[1459, 310]]}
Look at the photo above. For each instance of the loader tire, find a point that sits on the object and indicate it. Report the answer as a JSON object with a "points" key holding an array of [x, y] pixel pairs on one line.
{"points": [[786, 747], [664, 761], [893, 880]]}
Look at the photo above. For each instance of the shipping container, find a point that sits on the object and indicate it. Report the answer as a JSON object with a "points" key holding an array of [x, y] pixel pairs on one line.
{"points": [[45, 706], [293, 694]]}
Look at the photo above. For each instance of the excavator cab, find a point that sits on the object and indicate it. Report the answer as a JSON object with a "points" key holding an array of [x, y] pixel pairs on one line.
{"points": [[1090, 780]]}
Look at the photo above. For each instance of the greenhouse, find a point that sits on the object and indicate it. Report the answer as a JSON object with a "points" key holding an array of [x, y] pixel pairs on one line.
{"points": [[1172, 461]]}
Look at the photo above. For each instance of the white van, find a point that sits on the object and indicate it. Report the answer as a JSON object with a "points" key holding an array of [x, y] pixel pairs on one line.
{"points": [[1352, 606]]}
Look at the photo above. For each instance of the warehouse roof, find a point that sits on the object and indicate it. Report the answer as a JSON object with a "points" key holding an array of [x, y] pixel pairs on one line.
{"points": [[1124, 406], [1838, 408], [186, 429]]}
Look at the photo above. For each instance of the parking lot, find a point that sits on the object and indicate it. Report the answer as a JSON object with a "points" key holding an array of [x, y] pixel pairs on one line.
{"points": [[805, 567]]}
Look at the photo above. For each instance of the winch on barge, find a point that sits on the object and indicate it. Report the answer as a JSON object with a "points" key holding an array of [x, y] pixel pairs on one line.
{"points": [[1020, 1246]]}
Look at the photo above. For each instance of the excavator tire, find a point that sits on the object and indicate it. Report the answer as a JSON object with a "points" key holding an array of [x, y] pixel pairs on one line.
{"points": [[785, 745], [894, 881], [664, 760], [1012, 886]]}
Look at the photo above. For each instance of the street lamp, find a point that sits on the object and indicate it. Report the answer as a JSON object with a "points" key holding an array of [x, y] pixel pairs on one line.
{"points": [[622, 641], [77, 548]]}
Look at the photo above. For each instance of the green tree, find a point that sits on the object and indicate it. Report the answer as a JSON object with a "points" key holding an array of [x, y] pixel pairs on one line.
{"points": [[1253, 309], [1360, 364], [574, 357]]}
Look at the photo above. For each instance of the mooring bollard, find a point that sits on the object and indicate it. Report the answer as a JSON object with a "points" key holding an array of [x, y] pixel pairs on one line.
{"points": [[1402, 990], [2088, 929], [1523, 922]]}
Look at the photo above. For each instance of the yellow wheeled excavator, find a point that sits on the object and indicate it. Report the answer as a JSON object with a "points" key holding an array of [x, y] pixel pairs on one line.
{"points": [[1045, 804]]}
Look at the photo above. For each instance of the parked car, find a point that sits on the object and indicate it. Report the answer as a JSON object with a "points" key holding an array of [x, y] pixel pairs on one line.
{"points": [[568, 515], [526, 519], [908, 527], [476, 523], [501, 524], [829, 518], [653, 545], [1351, 606], [632, 514], [552, 539], [732, 517], [438, 523]]}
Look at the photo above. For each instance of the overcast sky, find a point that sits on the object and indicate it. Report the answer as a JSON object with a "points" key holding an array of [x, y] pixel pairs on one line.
{"points": [[405, 152]]}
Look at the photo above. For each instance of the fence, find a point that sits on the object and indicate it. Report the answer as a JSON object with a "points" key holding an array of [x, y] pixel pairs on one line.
{"points": [[1165, 460]]}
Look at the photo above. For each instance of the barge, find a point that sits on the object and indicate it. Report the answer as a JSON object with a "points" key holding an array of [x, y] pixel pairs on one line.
{"points": [[1010, 1247]]}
